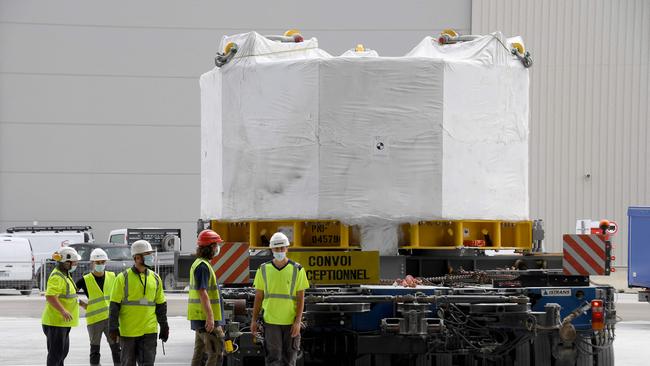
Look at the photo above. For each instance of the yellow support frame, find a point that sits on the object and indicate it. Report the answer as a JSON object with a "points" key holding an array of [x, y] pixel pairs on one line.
{"points": [[451, 234], [307, 234]]}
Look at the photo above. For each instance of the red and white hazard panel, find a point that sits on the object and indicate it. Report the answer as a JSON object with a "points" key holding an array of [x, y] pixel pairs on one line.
{"points": [[586, 255], [232, 263]]}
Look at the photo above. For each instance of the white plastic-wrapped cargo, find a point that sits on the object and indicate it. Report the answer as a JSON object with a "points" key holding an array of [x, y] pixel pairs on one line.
{"points": [[290, 132]]}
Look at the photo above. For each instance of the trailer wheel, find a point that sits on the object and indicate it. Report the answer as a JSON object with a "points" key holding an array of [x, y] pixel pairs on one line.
{"points": [[169, 282], [26, 292]]}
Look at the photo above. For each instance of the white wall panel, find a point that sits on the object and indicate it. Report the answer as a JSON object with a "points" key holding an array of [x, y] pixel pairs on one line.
{"points": [[589, 106]]}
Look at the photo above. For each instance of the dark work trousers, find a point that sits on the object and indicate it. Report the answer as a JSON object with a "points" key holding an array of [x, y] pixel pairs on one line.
{"points": [[281, 349], [58, 343], [95, 332], [210, 344], [141, 349]]}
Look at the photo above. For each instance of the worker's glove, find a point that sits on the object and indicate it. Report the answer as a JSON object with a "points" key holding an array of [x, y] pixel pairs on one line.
{"points": [[114, 335], [164, 332]]}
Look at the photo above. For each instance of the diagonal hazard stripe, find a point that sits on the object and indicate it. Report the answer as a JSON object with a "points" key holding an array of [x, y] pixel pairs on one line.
{"points": [[580, 255], [567, 268], [236, 273], [226, 251], [573, 263], [244, 277], [596, 248], [584, 246], [241, 253], [234, 265]]}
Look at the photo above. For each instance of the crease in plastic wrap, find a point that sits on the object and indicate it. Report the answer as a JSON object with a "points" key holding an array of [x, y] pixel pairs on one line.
{"points": [[290, 132]]}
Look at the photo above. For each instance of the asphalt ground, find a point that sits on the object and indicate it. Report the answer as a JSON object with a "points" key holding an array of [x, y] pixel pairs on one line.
{"points": [[22, 341]]}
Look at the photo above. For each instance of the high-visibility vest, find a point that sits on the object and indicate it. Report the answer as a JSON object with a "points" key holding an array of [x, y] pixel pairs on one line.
{"points": [[194, 308], [279, 292], [68, 299], [138, 306], [98, 299]]}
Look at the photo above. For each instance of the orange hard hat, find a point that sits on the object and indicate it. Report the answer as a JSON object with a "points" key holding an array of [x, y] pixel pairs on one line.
{"points": [[208, 237]]}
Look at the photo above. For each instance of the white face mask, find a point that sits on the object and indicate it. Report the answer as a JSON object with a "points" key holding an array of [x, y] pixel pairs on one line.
{"points": [[148, 260], [72, 268], [279, 255], [100, 268]]}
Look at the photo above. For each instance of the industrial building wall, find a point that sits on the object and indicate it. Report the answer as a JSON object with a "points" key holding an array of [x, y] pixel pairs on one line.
{"points": [[99, 101], [589, 103]]}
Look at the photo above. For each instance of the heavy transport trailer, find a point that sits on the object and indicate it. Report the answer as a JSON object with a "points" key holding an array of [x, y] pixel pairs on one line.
{"points": [[561, 320], [468, 308]]}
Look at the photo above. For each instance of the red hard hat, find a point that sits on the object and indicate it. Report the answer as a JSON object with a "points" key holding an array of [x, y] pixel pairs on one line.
{"points": [[208, 237]]}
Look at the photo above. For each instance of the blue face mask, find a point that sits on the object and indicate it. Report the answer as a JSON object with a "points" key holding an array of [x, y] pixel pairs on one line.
{"points": [[148, 260], [100, 268], [279, 255]]}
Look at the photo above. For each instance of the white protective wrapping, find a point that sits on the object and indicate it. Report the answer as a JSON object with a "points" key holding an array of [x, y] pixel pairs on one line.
{"points": [[290, 132]]}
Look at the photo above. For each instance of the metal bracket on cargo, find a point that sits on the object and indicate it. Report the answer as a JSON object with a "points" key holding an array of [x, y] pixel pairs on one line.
{"points": [[229, 52]]}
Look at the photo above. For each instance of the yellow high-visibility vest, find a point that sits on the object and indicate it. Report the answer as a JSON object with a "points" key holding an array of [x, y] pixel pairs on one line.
{"points": [[194, 308], [279, 292], [68, 299], [138, 294], [98, 299]]}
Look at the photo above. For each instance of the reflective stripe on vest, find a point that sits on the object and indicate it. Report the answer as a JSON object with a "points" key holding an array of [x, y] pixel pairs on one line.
{"points": [[195, 309], [125, 299], [288, 296], [98, 301], [67, 295]]}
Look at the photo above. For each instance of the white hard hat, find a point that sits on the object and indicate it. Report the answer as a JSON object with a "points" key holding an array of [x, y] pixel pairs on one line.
{"points": [[68, 254], [98, 254], [140, 246], [279, 240]]}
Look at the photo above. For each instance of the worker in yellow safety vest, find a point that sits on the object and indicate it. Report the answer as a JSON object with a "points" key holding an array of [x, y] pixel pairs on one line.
{"points": [[204, 306], [98, 286], [137, 307], [280, 292], [61, 309]]}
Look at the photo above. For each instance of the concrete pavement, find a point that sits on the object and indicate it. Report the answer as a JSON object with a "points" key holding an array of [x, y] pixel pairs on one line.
{"points": [[22, 341]]}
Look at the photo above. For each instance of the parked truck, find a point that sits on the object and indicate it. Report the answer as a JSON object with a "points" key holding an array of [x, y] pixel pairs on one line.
{"points": [[170, 262]]}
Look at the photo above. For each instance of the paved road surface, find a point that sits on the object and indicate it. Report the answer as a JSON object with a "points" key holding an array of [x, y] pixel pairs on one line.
{"points": [[22, 341]]}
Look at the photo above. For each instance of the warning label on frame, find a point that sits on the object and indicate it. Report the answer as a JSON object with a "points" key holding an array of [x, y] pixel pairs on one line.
{"points": [[329, 268]]}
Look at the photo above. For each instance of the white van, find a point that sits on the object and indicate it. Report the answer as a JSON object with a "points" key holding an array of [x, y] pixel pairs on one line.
{"points": [[45, 240], [16, 265]]}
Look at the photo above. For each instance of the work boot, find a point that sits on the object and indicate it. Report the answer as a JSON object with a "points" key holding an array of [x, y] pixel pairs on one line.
{"points": [[94, 355], [116, 352]]}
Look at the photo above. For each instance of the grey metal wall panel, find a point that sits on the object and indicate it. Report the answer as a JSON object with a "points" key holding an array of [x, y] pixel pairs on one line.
{"points": [[589, 106], [107, 77], [99, 149], [78, 99], [95, 197], [245, 15]]}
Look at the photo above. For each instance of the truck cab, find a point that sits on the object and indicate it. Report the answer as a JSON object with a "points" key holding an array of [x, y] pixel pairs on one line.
{"points": [[162, 240]]}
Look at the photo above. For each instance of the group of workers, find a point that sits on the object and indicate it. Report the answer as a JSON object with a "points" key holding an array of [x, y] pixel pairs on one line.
{"points": [[130, 308]]}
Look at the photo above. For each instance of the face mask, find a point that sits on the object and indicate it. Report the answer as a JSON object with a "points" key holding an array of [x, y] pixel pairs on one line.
{"points": [[100, 267], [72, 268], [148, 260], [279, 255], [216, 251]]}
